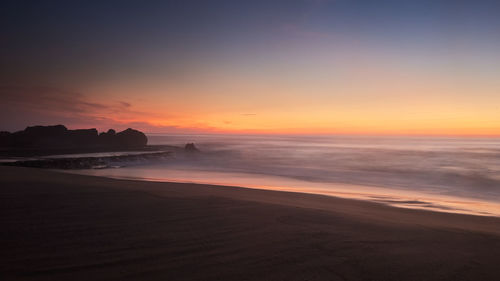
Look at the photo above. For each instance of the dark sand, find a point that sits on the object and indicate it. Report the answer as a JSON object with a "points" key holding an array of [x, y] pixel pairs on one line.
{"points": [[56, 226]]}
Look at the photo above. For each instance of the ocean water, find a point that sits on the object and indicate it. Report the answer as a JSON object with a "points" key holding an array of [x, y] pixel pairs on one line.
{"points": [[444, 174]]}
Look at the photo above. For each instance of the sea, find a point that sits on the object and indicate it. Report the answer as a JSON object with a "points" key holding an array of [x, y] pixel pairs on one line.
{"points": [[447, 174]]}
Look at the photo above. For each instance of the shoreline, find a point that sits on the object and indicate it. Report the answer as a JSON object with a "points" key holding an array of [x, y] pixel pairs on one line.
{"points": [[292, 198], [58, 226], [393, 197], [261, 195]]}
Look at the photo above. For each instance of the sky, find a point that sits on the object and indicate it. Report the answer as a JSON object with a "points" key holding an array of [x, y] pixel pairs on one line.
{"points": [[426, 67]]}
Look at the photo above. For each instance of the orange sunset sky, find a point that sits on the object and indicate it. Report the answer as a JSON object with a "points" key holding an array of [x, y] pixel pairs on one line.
{"points": [[296, 67]]}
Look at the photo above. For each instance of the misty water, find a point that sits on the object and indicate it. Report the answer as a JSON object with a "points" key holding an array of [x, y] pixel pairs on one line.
{"points": [[444, 174]]}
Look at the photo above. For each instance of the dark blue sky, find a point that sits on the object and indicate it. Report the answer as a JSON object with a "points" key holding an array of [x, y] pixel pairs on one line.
{"points": [[97, 34]]}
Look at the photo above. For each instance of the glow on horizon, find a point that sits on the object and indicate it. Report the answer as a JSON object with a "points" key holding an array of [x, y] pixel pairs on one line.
{"points": [[378, 97], [264, 67]]}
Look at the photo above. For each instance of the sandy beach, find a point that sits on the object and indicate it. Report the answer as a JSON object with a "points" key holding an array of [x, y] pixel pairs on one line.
{"points": [[57, 226]]}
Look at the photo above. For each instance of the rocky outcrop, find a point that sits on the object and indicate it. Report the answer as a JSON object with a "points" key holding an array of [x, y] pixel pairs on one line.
{"points": [[131, 137], [190, 147], [107, 138], [82, 137], [50, 137], [35, 136]]}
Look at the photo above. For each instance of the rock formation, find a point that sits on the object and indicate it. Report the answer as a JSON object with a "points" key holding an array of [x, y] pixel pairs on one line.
{"points": [[131, 137], [58, 136], [190, 147]]}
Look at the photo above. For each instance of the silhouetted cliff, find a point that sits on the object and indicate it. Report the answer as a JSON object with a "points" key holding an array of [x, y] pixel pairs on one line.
{"points": [[51, 137]]}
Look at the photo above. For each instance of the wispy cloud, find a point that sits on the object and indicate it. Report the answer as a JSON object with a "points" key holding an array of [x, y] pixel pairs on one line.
{"points": [[125, 104], [41, 105], [54, 99], [23, 106]]}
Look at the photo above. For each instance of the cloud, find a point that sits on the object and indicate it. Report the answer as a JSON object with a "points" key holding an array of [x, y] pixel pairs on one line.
{"points": [[171, 129], [22, 106], [125, 104], [54, 99]]}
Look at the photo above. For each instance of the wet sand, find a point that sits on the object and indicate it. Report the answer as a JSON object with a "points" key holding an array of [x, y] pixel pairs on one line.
{"points": [[56, 226]]}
